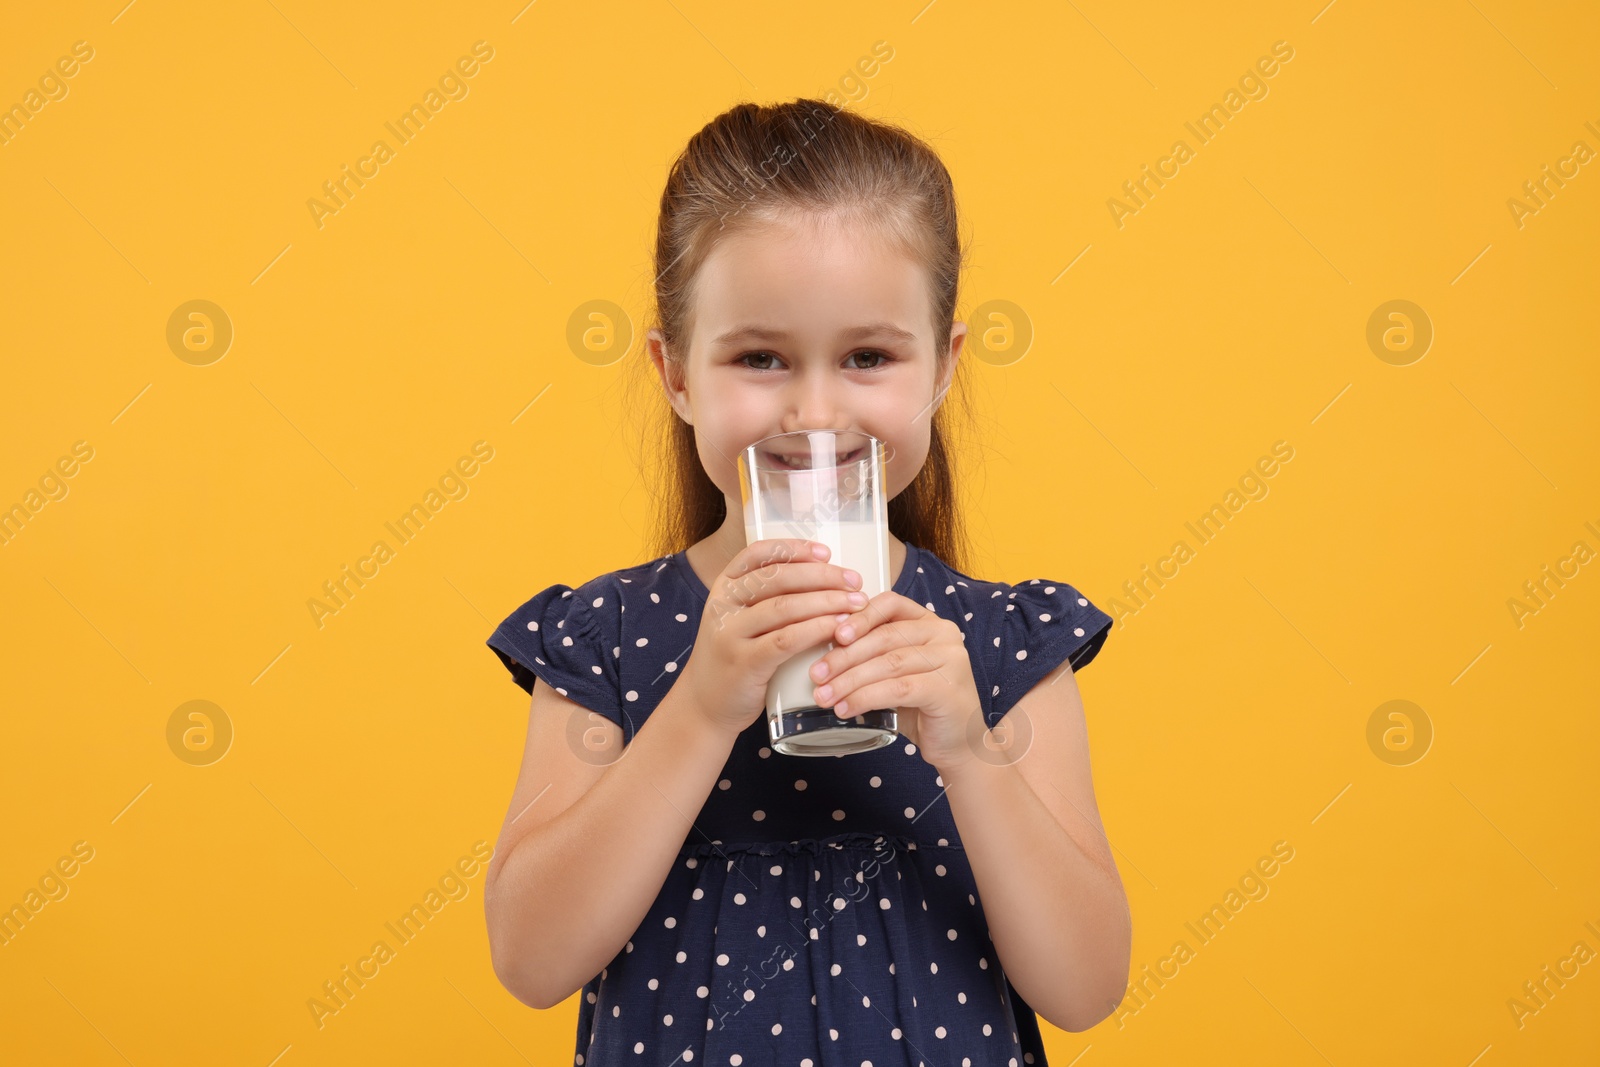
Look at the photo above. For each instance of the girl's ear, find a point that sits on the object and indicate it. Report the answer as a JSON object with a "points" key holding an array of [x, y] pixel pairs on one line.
{"points": [[958, 337], [671, 374]]}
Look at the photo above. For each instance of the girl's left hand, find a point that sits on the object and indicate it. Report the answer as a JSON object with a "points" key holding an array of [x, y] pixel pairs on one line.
{"points": [[895, 653]]}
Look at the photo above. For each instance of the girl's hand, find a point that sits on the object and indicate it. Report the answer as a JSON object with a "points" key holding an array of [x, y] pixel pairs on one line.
{"points": [[895, 653], [776, 599]]}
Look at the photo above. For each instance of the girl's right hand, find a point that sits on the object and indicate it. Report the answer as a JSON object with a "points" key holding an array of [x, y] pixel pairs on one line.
{"points": [[776, 599]]}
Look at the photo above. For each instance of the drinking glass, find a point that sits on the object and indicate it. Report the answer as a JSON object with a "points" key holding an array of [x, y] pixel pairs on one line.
{"points": [[827, 486]]}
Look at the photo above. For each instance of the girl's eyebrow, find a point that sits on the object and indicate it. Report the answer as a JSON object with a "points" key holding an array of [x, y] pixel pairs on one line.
{"points": [[880, 330]]}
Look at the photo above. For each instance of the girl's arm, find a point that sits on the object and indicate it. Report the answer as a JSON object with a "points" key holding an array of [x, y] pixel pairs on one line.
{"points": [[1051, 892], [589, 839]]}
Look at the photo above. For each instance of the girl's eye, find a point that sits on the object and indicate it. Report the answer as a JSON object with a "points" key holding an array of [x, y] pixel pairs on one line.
{"points": [[881, 357], [753, 355]]}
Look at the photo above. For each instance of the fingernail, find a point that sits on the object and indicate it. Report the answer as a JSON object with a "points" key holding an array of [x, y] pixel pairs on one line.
{"points": [[820, 551], [819, 670], [851, 578], [858, 599], [841, 618], [823, 693], [847, 632], [842, 708]]}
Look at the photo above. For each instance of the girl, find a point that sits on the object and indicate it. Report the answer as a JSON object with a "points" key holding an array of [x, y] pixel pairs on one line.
{"points": [[910, 905]]}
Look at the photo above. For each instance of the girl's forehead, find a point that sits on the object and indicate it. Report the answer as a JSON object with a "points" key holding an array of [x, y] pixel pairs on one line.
{"points": [[808, 234], [809, 281]]}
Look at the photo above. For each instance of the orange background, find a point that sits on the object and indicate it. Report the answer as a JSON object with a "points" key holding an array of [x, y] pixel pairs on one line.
{"points": [[372, 748]]}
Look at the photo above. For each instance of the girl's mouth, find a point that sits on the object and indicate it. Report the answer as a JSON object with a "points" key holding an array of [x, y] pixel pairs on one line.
{"points": [[802, 462]]}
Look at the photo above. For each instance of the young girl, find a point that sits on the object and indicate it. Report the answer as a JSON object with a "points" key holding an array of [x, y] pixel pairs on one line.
{"points": [[721, 903]]}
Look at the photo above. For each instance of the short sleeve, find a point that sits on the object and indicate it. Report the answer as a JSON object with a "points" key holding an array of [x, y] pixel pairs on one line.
{"points": [[1041, 624], [568, 639]]}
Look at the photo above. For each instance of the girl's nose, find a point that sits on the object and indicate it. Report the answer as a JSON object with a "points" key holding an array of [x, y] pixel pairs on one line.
{"points": [[813, 405]]}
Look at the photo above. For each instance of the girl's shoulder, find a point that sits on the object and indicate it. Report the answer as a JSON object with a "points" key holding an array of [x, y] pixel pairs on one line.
{"points": [[607, 596], [572, 637], [1016, 633]]}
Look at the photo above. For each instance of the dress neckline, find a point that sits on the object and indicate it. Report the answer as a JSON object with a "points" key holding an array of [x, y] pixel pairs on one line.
{"points": [[903, 583]]}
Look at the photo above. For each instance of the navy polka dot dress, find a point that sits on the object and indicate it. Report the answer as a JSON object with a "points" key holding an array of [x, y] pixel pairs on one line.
{"points": [[821, 911]]}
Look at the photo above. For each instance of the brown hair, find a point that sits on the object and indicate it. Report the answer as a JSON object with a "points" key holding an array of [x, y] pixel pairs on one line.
{"points": [[753, 164]]}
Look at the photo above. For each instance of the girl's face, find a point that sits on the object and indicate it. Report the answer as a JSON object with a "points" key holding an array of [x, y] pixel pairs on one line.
{"points": [[804, 325]]}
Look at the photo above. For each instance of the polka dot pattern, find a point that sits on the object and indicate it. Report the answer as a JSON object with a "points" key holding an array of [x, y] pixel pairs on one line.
{"points": [[1042, 624], [816, 904]]}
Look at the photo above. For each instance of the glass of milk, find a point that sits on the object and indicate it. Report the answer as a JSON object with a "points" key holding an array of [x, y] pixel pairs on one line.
{"points": [[827, 486]]}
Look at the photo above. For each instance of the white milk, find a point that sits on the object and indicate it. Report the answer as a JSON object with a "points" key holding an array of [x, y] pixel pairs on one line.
{"points": [[858, 546]]}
